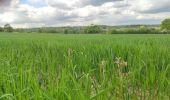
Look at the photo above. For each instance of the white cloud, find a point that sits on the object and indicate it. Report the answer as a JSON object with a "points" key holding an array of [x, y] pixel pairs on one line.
{"points": [[82, 12], [41, 14], [70, 4], [150, 6], [8, 17]]}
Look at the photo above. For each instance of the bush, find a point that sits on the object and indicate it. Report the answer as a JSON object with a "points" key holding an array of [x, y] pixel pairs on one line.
{"points": [[93, 29], [113, 31], [71, 31], [48, 30], [140, 30]]}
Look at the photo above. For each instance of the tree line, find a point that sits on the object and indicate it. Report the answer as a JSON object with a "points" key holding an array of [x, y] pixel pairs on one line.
{"points": [[97, 29]]}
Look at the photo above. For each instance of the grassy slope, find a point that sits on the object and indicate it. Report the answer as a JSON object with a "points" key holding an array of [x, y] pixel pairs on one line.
{"points": [[49, 66]]}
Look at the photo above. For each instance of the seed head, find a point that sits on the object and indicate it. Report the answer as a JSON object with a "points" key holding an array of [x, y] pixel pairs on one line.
{"points": [[70, 52], [120, 62]]}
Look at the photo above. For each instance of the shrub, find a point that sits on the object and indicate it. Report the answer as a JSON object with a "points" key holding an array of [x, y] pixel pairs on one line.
{"points": [[113, 31], [93, 29]]}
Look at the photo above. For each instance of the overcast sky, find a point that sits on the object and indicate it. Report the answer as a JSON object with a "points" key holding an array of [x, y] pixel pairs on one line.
{"points": [[37, 13]]}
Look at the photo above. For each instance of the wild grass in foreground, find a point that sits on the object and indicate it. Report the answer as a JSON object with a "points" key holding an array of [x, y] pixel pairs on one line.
{"points": [[84, 67]]}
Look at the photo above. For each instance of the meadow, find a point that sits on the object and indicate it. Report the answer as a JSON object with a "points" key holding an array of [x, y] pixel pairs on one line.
{"points": [[37, 66]]}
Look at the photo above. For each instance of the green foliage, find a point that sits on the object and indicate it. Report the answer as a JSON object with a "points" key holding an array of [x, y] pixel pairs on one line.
{"points": [[97, 29], [71, 31], [1, 29], [114, 31], [93, 29], [139, 30], [84, 67], [166, 24], [66, 31], [8, 28], [48, 30]]}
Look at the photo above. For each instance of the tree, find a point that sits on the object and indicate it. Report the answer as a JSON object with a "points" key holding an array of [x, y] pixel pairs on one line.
{"points": [[166, 24], [93, 29], [1, 29], [8, 28], [66, 31]]}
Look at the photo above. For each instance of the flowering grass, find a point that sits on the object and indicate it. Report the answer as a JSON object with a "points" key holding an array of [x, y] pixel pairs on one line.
{"points": [[84, 67]]}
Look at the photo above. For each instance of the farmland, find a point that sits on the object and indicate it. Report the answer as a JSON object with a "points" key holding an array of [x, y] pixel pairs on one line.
{"points": [[83, 67]]}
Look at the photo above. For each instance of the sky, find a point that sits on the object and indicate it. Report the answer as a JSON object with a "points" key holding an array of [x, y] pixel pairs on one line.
{"points": [[45, 13]]}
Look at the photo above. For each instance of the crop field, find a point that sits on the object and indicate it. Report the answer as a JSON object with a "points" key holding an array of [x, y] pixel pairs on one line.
{"points": [[36, 66]]}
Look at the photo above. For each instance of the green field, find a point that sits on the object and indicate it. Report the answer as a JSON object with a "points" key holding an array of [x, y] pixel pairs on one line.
{"points": [[83, 67]]}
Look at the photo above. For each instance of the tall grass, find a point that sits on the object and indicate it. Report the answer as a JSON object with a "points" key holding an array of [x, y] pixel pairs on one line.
{"points": [[84, 67]]}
